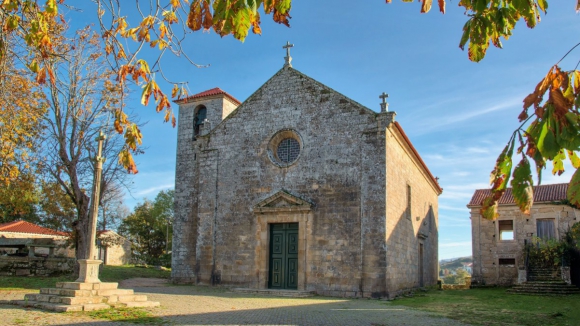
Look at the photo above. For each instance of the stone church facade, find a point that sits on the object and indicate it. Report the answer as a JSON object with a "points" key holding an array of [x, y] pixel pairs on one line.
{"points": [[300, 187]]}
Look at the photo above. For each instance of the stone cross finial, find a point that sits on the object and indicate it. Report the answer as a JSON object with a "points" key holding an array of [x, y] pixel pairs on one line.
{"points": [[288, 57], [384, 104]]}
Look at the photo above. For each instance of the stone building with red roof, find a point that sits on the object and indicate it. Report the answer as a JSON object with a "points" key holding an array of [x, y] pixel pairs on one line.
{"points": [[21, 236], [301, 188], [498, 246]]}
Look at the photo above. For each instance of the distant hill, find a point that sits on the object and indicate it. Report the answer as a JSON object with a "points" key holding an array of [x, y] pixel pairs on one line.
{"points": [[454, 263]]}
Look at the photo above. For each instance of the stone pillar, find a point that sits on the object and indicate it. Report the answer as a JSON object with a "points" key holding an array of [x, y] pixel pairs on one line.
{"points": [[89, 268], [522, 276], [51, 252], [30, 251], [566, 274]]}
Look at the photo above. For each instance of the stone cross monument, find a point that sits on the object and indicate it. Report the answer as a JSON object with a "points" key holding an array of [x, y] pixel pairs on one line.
{"points": [[384, 104], [89, 268], [288, 57]]}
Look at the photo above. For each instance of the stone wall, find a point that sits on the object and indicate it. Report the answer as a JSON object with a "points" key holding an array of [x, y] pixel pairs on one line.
{"points": [[409, 229], [35, 266], [218, 235], [488, 249], [62, 249]]}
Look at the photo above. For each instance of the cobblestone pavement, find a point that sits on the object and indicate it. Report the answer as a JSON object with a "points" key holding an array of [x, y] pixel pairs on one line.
{"points": [[196, 305]]}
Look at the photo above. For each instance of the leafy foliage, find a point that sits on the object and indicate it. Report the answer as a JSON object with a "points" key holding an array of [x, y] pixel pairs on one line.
{"points": [[161, 26], [458, 278], [547, 253], [147, 229], [549, 131]]}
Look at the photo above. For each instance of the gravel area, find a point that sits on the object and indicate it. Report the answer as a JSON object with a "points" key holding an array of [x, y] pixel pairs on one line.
{"points": [[197, 305]]}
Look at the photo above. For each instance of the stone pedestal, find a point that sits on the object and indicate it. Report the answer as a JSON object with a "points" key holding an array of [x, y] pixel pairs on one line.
{"points": [[566, 275], [89, 271], [78, 296], [522, 276]]}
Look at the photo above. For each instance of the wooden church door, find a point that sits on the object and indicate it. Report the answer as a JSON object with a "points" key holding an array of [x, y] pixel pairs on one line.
{"points": [[283, 256]]}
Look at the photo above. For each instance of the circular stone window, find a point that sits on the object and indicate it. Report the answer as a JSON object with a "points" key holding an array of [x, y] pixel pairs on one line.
{"points": [[285, 147]]}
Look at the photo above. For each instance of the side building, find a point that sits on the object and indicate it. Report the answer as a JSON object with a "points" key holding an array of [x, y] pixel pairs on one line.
{"points": [[498, 246]]}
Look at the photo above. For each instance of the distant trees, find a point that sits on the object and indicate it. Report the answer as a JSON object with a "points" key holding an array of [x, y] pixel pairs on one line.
{"points": [[149, 231], [457, 278]]}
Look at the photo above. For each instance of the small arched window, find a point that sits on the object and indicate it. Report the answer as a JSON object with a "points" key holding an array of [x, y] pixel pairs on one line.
{"points": [[199, 118]]}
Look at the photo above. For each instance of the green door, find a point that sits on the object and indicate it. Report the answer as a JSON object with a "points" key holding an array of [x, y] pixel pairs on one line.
{"points": [[283, 256]]}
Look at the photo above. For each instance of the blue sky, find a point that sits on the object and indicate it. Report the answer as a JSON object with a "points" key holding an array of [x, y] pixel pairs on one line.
{"points": [[457, 113]]}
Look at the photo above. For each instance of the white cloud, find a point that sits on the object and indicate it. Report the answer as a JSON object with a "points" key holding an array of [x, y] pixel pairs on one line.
{"points": [[455, 244], [154, 189]]}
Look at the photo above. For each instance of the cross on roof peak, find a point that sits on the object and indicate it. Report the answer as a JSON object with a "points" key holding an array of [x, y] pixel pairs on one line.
{"points": [[288, 57], [384, 104]]}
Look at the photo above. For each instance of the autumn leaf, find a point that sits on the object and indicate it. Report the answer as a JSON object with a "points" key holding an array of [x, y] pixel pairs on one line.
{"points": [[573, 192], [522, 186], [426, 6], [489, 208]]}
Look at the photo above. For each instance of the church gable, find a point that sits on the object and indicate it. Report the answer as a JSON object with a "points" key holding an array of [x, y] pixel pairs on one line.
{"points": [[302, 93], [282, 201]]}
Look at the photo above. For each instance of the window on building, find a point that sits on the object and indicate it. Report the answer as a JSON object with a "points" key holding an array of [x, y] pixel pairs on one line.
{"points": [[199, 118], [545, 228], [506, 230], [507, 261]]}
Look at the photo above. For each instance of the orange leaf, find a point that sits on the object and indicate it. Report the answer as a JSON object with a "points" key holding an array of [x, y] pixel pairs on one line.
{"points": [[442, 6], [41, 76], [426, 6]]}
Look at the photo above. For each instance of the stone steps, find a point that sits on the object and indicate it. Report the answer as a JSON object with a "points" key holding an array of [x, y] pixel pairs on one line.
{"points": [[544, 288], [277, 293], [77, 296]]}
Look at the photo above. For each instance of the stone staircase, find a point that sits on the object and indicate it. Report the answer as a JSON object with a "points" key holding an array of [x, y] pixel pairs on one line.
{"points": [[277, 293], [544, 282], [77, 296]]}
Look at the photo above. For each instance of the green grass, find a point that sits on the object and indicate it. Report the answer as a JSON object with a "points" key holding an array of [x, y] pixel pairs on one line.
{"points": [[493, 306], [107, 274], [131, 315]]}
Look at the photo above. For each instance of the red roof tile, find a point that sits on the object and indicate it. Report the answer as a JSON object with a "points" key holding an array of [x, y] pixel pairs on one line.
{"points": [[209, 92], [27, 227], [542, 193]]}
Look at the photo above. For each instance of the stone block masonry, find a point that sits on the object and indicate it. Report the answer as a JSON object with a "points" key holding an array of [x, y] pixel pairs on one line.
{"points": [[232, 184]]}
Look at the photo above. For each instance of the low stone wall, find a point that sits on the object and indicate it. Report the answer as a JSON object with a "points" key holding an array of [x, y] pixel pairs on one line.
{"points": [[465, 286], [35, 266]]}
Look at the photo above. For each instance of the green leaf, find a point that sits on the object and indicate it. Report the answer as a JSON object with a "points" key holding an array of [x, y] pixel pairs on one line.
{"points": [[543, 4], [480, 5], [523, 186], [465, 36], [559, 162], [503, 167], [574, 189], [242, 23], [574, 159], [546, 141]]}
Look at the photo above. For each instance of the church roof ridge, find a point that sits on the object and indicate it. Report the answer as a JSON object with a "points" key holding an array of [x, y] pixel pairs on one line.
{"points": [[210, 92]]}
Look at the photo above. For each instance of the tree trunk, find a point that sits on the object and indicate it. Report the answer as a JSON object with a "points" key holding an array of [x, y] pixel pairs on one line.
{"points": [[81, 228]]}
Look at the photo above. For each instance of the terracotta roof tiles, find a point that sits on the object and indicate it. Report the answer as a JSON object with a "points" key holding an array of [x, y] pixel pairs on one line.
{"points": [[542, 193], [27, 227], [209, 92]]}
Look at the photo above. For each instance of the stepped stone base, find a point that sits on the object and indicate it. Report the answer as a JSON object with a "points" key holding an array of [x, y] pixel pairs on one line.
{"points": [[544, 288], [278, 293], [78, 296]]}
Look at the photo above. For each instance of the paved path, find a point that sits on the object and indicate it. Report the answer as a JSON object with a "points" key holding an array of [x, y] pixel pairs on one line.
{"points": [[196, 305]]}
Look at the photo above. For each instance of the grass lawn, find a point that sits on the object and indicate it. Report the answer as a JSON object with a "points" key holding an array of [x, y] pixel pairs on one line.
{"points": [[107, 274], [493, 306]]}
